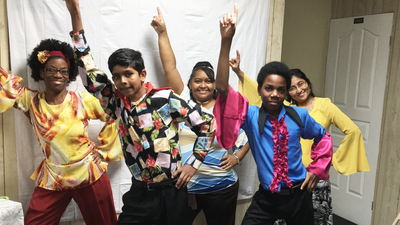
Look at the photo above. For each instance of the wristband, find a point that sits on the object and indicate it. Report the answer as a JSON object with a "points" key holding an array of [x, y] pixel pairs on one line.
{"points": [[237, 158]]}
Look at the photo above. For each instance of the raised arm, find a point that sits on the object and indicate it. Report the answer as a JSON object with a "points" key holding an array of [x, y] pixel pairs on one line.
{"points": [[73, 8], [172, 78], [229, 113], [247, 86], [227, 28], [235, 65], [95, 80]]}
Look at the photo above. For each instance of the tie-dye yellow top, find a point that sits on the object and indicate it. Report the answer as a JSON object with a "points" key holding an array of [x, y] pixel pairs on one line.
{"points": [[62, 134]]}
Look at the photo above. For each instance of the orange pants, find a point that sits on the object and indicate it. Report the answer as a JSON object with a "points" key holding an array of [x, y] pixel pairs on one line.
{"points": [[95, 202]]}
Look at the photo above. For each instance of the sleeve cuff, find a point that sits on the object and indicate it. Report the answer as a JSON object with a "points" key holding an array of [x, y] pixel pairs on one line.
{"points": [[321, 153], [79, 40]]}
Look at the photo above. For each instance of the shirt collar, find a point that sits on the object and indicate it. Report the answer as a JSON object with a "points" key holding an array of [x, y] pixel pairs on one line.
{"points": [[263, 115], [147, 85]]}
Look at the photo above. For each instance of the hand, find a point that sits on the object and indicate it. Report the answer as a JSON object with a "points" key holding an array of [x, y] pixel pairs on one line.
{"points": [[310, 182], [235, 63], [72, 5], [227, 162], [186, 173], [158, 23], [97, 157], [227, 24]]}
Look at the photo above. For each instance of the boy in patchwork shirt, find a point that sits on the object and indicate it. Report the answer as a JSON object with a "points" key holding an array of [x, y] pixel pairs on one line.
{"points": [[148, 121]]}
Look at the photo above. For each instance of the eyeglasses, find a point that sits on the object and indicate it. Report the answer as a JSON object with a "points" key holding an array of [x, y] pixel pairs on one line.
{"points": [[51, 71], [300, 84]]}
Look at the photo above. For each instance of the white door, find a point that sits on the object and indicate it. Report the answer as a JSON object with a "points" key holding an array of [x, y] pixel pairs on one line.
{"points": [[355, 81]]}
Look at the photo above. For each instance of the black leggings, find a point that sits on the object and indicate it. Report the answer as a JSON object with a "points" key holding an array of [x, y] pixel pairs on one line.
{"points": [[219, 207]]}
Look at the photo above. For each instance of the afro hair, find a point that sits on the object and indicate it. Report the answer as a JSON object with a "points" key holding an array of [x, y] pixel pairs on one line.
{"points": [[52, 45]]}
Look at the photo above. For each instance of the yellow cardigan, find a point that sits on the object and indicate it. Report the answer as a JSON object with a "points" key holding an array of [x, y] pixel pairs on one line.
{"points": [[350, 157]]}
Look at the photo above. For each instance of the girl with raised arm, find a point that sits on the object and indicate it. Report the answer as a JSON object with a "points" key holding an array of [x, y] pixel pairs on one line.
{"points": [[214, 187]]}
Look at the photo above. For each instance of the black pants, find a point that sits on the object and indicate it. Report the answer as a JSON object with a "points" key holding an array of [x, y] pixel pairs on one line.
{"points": [[219, 207], [160, 204], [295, 207]]}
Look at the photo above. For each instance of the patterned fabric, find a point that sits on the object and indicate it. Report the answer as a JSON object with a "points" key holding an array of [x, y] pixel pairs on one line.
{"points": [[322, 204], [262, 144], [62, 134], [149, 129], [209, 177]]}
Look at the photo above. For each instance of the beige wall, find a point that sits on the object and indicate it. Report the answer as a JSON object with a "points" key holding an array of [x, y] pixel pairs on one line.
{"points": [[305, 39]]}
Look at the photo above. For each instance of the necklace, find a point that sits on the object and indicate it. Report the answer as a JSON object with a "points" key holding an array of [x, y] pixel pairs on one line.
{"points": [[311, 106], [202, 103]]}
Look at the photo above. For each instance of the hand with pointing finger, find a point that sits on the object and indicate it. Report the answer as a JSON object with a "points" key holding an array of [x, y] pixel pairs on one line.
{"points": [[158, 23], [235, 63], [228, 23]]}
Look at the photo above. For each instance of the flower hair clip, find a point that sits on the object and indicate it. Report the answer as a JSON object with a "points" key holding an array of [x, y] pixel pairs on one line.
{"points": [[43, 56]]}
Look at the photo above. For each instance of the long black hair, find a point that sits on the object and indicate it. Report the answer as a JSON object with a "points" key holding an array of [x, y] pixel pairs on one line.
{"points": [[209, 70], [298, 73]]}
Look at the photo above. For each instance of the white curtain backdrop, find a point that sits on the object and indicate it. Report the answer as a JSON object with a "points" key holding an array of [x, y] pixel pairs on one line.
{"points": [[193, 27]]}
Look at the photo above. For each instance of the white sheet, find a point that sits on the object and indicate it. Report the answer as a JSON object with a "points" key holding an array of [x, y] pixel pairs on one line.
{"points": [[193, 28]]}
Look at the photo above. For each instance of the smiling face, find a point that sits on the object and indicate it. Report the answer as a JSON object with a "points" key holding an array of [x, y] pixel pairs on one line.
{"points": [[129, 82], [273, 92], [55, 74], [202, 87], [299, 90]]}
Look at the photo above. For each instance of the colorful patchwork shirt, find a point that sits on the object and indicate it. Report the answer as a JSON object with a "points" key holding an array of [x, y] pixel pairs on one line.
{"points": [[148, 129], [62, 134]]}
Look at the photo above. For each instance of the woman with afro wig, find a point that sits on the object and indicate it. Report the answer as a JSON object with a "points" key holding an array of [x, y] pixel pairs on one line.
{"points": [[73, 166]]}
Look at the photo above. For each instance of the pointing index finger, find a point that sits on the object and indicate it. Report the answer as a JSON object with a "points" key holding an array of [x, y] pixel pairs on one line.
{"points": [[159, 13], [235, 12], [237, 54]]}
